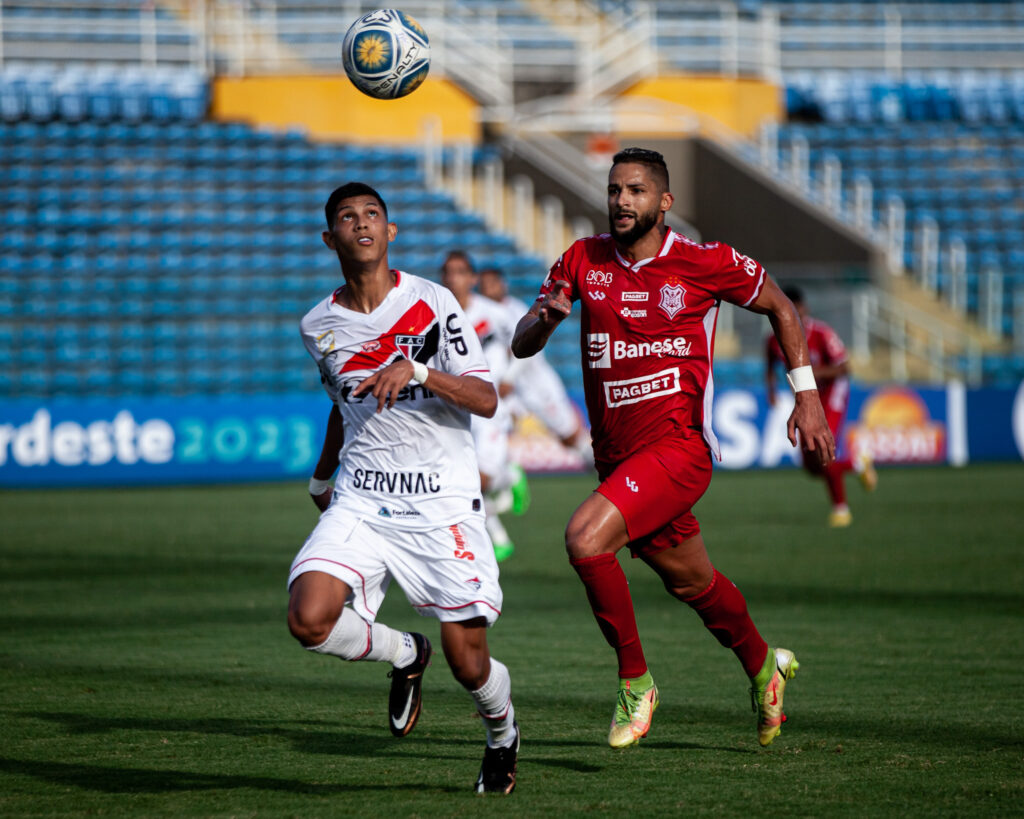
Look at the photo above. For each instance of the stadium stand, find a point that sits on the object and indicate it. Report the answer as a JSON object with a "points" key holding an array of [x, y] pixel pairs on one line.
{"points": [[133, 244]]}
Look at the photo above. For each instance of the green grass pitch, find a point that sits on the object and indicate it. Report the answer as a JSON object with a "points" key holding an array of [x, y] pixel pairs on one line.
{"points": [[147, 669]]}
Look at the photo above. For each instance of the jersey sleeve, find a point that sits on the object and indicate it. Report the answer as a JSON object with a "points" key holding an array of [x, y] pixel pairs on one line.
{"points": [[564, 269], [459, 352], [738, 279]]}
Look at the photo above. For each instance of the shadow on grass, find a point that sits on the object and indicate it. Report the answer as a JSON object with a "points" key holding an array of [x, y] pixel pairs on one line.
{"points": [[136, 780]]}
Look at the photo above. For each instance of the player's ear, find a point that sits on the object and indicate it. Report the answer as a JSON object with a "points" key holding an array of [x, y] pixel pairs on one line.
{"points": [[666, 201], [328, 238], [392, 231]]}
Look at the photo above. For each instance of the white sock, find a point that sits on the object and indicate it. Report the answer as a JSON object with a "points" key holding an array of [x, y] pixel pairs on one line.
{"points": [[494, 703], [352, 638], [496, 529]]}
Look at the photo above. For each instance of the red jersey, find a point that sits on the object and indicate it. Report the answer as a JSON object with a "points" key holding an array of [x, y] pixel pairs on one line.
{"points": [[826, 349], [647, 335]]}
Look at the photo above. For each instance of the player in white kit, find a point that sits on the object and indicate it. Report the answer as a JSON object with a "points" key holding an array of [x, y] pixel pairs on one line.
{"points": [[535, 386], [503, 481], [405, 372]]}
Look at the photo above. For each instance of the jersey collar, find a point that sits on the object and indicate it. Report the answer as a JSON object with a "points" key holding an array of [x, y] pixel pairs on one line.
{"points": [[670, 237]]}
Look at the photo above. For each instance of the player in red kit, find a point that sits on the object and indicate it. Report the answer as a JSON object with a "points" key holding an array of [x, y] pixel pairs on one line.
{"points": [[831, 369], [649, 299]]}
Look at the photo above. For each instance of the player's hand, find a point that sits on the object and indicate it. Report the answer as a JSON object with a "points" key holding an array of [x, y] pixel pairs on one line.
{"points": [[385, 384], [323, 500], [556, 305], [505, 389], [809, 418]]}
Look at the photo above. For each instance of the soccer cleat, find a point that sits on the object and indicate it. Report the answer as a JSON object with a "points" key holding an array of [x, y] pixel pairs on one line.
{"points": [[503, 551], [406, 698], [840, 518], [633, 715], [498, 770], [767, 700], [865, 469], [520, 492]]}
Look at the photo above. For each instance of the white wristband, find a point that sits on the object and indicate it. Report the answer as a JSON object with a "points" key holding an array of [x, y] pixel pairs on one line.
{"points": [[801, 378], [318, 487], [419, 372]]}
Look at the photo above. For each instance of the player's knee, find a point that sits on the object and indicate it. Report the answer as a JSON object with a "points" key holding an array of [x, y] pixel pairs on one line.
{"points": [[310, 625], [581, 539], [470, 669]]}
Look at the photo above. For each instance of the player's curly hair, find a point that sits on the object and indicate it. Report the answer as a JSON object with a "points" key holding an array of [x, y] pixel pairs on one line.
{"points": [[644, 156], [347, 191]]}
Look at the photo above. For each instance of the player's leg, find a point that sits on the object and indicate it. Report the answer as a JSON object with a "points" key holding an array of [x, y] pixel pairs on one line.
{"points": [[488, 682], [503, 483], [834, 474], [336, 585], [596, 531], [688, 574]]}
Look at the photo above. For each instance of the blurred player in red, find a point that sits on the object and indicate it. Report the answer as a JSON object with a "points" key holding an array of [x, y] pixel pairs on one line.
{"points": [[649, 300], [831, 369]]}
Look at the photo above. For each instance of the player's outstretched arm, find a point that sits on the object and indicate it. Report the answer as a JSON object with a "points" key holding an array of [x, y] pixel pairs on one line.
{"points": [[535, 328], [807, 417], [319, 489], [464, 391]]}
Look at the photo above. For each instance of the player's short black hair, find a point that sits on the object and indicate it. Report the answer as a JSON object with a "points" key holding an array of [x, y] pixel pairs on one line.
{"points": [[493, 271], [644, 156], [347, 191], [794, 294]]}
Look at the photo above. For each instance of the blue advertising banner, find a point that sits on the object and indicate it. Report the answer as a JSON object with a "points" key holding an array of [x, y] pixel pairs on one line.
{"points": [[234, 438], [186, 440]]}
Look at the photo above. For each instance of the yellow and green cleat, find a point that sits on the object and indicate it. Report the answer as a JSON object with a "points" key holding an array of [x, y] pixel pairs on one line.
{"points": [[780, 666], [634, 711]]}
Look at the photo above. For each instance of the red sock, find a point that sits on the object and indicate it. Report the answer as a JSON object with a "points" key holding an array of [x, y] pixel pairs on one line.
{"points": [[834, 480], [724, 611], [608, 593]]}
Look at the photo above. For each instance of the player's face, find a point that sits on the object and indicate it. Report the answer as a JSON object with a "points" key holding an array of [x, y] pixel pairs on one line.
{"points": [[636, 202], [361, 230], [492, 287], [458, 276]]}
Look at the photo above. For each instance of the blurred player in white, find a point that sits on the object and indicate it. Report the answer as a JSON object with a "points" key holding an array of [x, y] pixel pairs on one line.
{"points": [[535, 386], [503, 482], [405, 373]]}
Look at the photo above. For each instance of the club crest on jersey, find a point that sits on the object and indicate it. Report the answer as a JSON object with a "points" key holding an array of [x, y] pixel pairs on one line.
{"points": [[325, 342], [671, 299], [409, 346]]}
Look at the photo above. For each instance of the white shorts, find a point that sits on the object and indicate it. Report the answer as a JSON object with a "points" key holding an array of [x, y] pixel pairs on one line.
{"points": [[542, 393], [449, 573], [490, 439]]}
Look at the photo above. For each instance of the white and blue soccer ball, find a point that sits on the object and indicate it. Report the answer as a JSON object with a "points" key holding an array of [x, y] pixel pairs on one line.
{"points": [[386, 54]]}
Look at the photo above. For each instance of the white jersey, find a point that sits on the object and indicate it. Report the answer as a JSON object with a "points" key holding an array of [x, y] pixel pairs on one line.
{"points": [[412, 466], [494, 327]]}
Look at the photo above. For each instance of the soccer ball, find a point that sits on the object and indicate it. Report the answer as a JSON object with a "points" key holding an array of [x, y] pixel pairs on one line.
{"points": [[386, 54]]}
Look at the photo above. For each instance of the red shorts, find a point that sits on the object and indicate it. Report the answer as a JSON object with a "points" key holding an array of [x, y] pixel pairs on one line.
{"points": [[655, 489]]}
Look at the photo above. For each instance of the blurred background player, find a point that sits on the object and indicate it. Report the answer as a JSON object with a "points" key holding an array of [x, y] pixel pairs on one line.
{"points": [[503, 482], [831, 368], [406, 503], [535, 387], [647, 381]]}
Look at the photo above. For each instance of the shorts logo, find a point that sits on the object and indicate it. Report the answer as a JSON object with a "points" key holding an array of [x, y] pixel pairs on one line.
{"points": [[325, 342], [475, 582], [634, 295], [602, 278], [672, 299], [633, 486], [597, 295], [460, 551], [644, 388], [599, 351], [409, 346], [625, 312]]}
